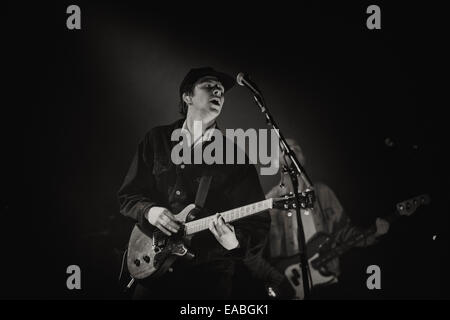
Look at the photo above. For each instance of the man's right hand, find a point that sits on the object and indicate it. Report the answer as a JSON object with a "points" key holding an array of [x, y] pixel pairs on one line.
{"points": [[163, 219]]}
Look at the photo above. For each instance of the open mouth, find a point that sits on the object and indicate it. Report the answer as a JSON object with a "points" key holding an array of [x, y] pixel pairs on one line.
{"points": [[215, 101]]}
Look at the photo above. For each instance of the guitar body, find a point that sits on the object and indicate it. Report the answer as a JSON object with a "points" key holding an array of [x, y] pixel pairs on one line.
{"points": [[294, 274], [320, 242], [153, 256]]}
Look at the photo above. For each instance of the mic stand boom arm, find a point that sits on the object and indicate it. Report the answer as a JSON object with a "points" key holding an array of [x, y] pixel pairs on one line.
{"points": [[295, 169]]}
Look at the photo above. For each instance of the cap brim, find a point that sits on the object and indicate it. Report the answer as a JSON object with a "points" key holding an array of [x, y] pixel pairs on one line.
{"points": [[226, 80]]}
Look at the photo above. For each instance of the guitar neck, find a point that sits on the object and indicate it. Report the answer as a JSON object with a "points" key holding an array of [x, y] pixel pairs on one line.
{"points": [[406, 207], [352, 242], [199, 225]]}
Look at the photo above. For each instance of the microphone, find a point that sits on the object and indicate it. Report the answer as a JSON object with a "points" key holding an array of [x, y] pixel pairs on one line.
{"points": [[243, 80]]}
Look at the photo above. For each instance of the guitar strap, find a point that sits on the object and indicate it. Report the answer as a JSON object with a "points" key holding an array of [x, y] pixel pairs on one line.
{"points": [[202, 191]]}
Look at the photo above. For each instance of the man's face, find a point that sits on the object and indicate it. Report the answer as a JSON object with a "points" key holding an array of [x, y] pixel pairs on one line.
{"points": [[285, 160], [208, 97]]}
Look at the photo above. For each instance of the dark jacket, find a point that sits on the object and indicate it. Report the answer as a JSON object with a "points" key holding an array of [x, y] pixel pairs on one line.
{"points": [[154, 180]]}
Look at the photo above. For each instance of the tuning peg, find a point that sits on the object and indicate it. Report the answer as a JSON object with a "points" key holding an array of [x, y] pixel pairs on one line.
{"points": [[424, 199], [408, 205], [389, 142]]}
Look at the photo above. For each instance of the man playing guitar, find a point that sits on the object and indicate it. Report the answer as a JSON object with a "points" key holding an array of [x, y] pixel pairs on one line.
{"points": [[327, 217], [156, 189]]}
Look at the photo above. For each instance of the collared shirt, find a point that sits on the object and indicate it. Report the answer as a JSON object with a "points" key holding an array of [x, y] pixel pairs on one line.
{"points": [[290, 225], [205, 137]]}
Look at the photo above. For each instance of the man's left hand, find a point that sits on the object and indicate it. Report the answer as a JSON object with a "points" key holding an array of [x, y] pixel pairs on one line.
{"points": [[223, 232], [382, 227]]}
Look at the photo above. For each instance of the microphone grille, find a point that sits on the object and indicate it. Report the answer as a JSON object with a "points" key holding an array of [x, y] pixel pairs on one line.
{"points": [[239, 78]]}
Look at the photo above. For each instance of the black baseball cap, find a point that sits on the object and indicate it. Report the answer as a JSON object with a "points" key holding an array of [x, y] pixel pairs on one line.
{"points": [[197, 73]]}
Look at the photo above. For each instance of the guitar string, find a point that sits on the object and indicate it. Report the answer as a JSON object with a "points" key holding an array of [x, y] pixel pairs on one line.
{"points": [[240, 212]]}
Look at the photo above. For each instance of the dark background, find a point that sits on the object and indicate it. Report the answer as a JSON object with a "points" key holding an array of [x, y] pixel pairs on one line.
{"points": [[77, 102]]}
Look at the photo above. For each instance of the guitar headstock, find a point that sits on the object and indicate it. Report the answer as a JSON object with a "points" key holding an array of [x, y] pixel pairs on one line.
{"points": [[408, 207], [306, 200]]}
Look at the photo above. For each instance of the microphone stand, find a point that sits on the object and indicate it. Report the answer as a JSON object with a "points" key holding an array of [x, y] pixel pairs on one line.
{"points": [[295, 170]]}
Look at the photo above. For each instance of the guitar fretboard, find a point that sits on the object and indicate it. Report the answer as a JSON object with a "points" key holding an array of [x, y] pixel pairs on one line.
{"points": [[229, 216]]}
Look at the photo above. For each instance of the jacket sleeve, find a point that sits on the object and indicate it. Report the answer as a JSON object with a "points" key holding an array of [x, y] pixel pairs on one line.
{"points": [[252, 232], [137, 193]]}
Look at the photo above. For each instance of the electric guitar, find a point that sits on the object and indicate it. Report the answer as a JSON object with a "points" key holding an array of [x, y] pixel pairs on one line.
{"points": [[150, 256], [322, 248]]}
